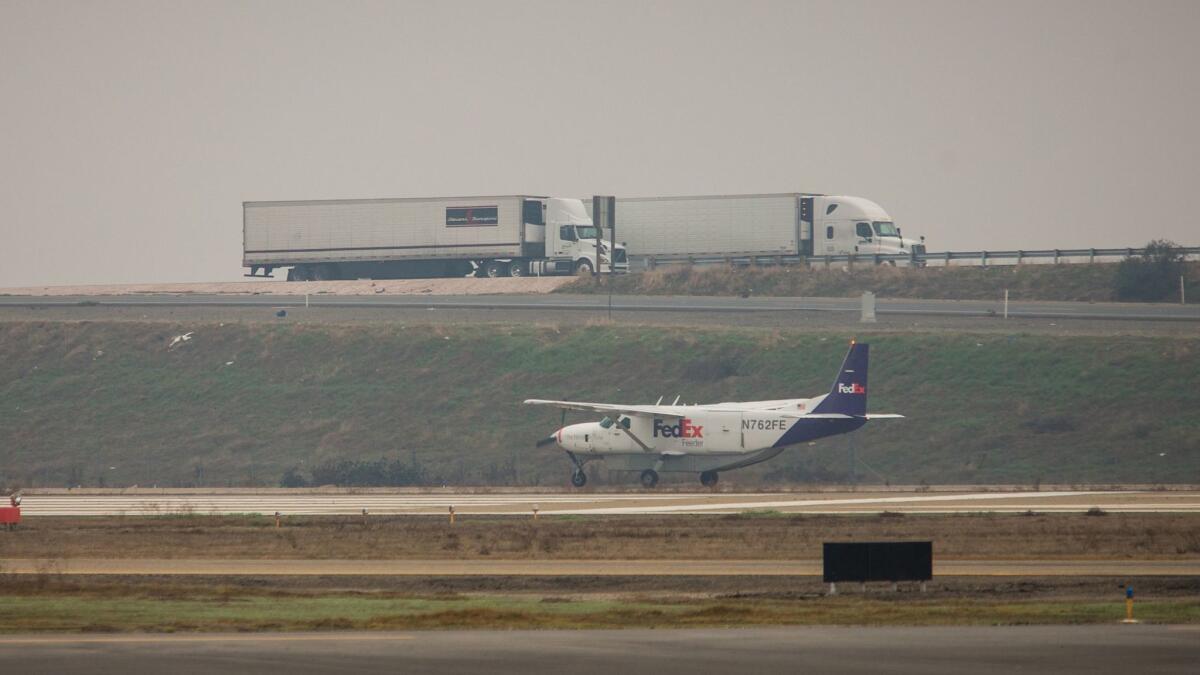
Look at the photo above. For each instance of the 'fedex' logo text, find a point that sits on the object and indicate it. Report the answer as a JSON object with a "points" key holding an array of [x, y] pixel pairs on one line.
{"points": [[854, 388], [685, 429]]}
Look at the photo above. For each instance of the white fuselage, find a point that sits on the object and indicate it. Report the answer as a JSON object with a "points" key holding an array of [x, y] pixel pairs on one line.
{"points": [[707, 429]]}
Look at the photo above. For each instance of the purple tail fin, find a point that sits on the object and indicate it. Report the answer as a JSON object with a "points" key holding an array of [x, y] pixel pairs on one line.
{"points": [[849, 393]]}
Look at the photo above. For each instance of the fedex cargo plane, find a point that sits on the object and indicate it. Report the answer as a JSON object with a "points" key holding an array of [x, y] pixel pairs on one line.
{"points": [[708, 439]]}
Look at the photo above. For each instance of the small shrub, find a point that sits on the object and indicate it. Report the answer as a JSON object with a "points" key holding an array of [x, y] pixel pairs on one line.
{"points": [[1152, 276], [1051, 424]]}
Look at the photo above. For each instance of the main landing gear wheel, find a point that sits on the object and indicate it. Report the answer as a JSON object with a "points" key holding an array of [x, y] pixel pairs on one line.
{"points": [[708, 478], [649, 478], [579, 479]]}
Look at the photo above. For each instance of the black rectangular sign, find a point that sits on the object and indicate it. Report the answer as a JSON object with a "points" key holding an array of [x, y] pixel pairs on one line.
{"points": [[879, 561], [472, 216]]}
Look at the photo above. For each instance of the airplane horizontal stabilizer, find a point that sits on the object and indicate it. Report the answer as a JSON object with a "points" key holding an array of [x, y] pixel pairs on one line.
{"points": [[883, 416]]}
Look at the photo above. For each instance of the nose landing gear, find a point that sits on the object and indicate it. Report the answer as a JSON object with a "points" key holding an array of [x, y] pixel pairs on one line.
{"points": [[649, 478], [579, 479]]}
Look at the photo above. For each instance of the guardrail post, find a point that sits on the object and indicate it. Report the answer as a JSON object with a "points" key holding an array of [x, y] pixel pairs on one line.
{"points": [[1020, 256], [1091, 255], [983, 258], [826, 262], [1055, 256]]}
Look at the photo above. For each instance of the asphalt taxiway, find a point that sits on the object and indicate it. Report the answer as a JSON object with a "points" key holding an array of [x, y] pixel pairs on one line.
{"points": [[153, 502], [569, 568], [980, 650]]}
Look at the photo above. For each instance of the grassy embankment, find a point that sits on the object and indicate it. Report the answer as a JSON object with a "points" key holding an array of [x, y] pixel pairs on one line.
{"points": [[110, 403], [1091, 283]]}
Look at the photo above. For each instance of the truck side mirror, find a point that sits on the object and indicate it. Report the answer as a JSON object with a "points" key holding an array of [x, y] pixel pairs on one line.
{"points": [[899, 232]]}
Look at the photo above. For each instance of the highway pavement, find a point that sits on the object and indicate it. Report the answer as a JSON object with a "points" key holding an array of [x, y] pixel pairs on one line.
{"points": [[640, 303], [983, 650]]}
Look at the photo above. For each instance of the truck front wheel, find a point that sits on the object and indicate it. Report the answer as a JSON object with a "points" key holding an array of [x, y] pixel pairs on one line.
{"points": [[584, 268]]}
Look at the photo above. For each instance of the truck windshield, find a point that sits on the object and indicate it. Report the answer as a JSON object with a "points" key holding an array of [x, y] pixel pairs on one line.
{"points": [[586, 231], [884, 228]]}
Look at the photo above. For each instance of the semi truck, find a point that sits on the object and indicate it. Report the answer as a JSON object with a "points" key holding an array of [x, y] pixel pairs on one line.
{"points": [[760, 225], [513, 235]]}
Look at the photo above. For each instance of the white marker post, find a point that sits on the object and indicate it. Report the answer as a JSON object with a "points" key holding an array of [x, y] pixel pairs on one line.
{"points": [[868, 307], [1006, 304]]}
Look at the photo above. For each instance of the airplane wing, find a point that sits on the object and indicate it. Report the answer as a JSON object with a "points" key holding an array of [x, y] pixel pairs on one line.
{"points": [[840, 416], [608, 408]]}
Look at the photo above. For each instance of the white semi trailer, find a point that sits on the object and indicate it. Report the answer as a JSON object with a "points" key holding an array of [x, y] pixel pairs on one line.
{"points": [[762, 225], [513, 235]]}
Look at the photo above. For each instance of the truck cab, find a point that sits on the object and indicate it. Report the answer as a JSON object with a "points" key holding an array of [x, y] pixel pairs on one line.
{"points": [[857, 226], [569, 237]]}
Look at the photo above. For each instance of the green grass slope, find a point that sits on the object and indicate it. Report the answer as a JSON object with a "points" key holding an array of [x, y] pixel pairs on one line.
{"points": [[111, 404], [1093, 283]]}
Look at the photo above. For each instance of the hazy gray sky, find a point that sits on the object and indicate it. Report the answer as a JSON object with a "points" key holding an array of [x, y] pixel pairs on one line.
{"points": [[130, 132]]}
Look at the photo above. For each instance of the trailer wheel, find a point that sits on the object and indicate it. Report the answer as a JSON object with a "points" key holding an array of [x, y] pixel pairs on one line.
{"points": [[517, 268], [583, 268], [495, 268]]}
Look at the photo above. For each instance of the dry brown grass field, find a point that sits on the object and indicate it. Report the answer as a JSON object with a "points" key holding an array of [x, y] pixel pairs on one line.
{"points": [[746, 536]]}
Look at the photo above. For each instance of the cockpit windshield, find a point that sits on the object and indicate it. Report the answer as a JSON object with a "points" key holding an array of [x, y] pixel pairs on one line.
{"points": [[606, 423], [586, 231], [885, 228]]}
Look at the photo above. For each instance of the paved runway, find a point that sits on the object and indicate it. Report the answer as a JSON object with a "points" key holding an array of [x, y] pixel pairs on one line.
{"points": [[931, 650], [646, 303], [85, 503], [560, 568]]}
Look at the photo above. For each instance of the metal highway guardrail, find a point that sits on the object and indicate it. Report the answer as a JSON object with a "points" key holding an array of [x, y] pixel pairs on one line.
{"points": [[1014, 257]]}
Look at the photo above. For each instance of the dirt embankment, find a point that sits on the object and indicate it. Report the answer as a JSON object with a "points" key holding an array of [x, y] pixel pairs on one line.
{"points": [[465, 286]]}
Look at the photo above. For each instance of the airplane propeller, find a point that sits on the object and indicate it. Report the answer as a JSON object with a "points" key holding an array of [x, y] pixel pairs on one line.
{"points": [[553, 438]]}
